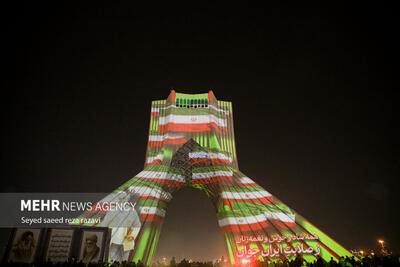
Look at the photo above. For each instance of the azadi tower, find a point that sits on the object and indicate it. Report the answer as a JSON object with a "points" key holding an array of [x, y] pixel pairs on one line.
{"points": [[192, 143]]}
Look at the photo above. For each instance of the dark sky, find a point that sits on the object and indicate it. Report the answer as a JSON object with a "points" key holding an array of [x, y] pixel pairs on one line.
{"points": [[314, 95]]}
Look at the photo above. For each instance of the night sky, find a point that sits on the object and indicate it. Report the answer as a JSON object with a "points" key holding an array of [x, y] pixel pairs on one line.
{"points": [[314, 95]]}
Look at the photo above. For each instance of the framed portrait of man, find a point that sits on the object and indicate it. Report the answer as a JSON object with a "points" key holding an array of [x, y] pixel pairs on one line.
{"points": [[59, 245], [92, 246], [24, 245]]}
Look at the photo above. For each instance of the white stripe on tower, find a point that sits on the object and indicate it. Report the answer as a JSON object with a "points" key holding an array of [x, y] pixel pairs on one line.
{"points": [[145, 191], [202, 175], [219, 109], [245, 195], [241, 220], [186, 119], [114, 197], [257, 219], [280, 216], [157, 138], [210, 106], [205, 155], [160, 138], [161, 175], [152, 210], [246, 180]]}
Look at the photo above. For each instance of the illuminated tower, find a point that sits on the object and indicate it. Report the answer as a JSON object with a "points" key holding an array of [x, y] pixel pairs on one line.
{"points": [[191, 143]]}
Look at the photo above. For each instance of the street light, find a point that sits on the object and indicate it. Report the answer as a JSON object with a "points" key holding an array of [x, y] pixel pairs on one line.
{"points": [[381, 242]]}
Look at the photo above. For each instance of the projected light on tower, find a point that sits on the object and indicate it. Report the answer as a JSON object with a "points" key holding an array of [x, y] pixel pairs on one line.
{"points": [[191, 143]]}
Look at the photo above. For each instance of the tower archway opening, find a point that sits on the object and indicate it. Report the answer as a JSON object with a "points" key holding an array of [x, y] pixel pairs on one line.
{"points": [[190, 229]]}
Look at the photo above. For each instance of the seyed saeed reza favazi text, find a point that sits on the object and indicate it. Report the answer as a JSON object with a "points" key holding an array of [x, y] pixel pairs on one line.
{"points": [[40, 220], [56, 205]]}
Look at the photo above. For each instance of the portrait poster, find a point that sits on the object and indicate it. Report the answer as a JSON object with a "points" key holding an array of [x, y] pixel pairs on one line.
{"points": [[59, 245], [91, 248], [24, 245]]}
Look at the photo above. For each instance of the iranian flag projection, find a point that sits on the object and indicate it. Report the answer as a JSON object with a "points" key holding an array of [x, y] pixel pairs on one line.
{"points": [[191, 143]]}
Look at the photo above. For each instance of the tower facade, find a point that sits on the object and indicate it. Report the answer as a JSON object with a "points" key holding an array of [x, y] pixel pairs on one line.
{"points": [[191, 143]]}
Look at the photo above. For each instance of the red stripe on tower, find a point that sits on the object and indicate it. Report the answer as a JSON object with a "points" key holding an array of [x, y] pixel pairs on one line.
{"points": [[151, 218], [210, 95], [186, 127]]}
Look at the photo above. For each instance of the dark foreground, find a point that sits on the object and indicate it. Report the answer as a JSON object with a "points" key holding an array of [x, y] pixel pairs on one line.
{"points": [[375, 261]]}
